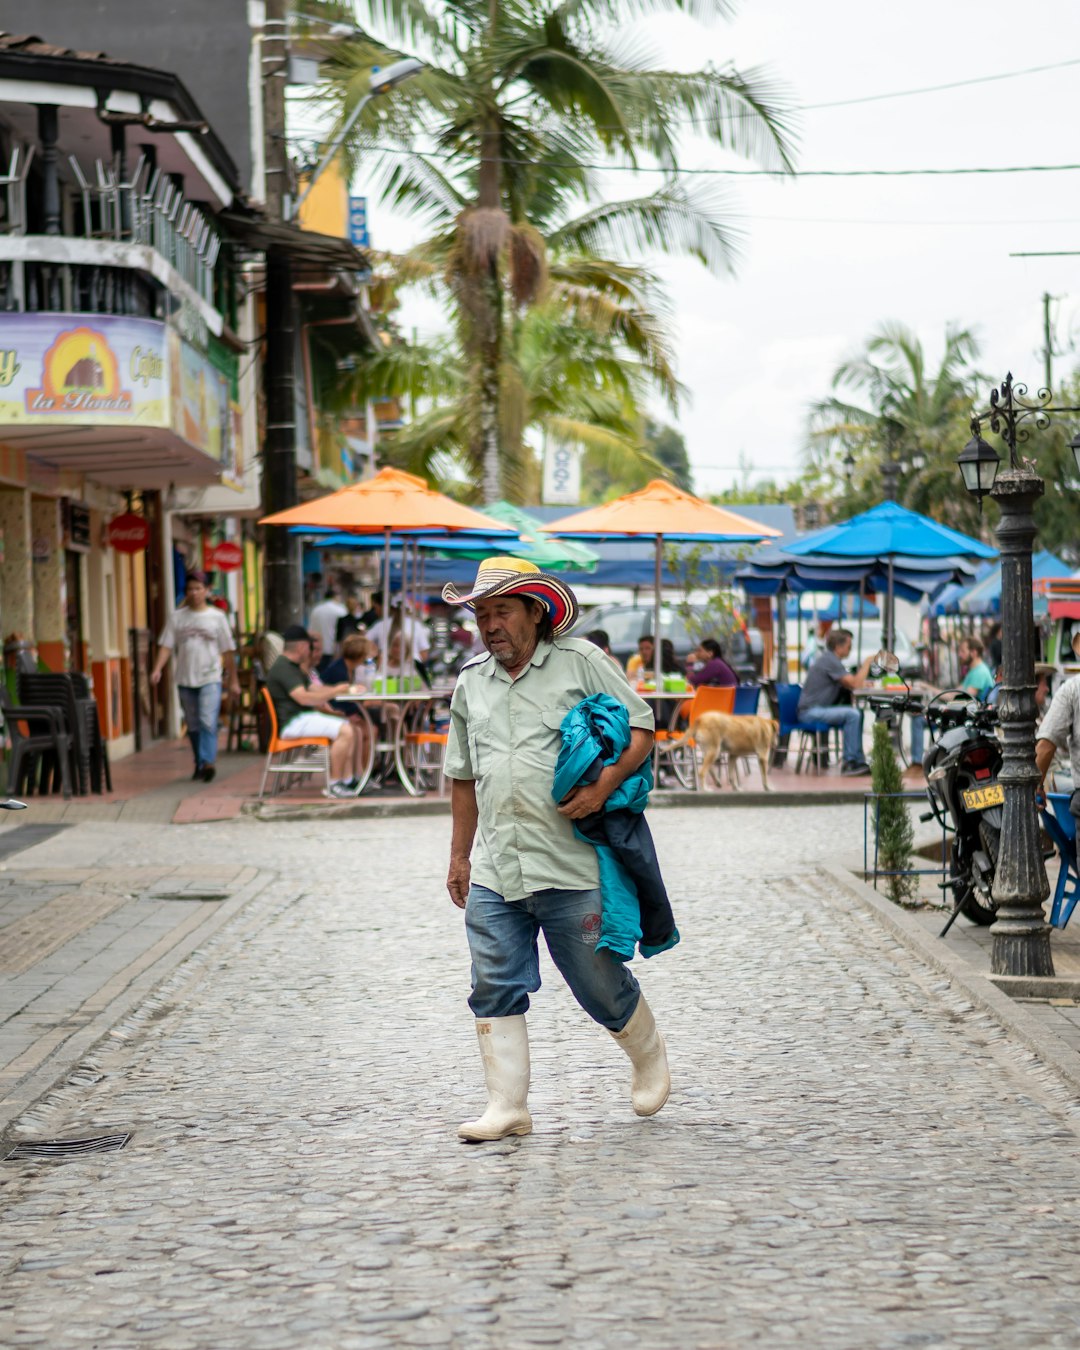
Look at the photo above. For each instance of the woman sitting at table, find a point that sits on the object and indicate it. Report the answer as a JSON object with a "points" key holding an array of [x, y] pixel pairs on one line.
{"points": [[349, 669], [707, 665]]}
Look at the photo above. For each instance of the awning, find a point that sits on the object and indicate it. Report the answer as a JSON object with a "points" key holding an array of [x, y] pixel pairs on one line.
{"points": [[303, 246]]}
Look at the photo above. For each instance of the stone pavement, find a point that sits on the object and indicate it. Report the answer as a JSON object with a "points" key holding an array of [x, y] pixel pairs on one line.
{"points": [[155, 786], [853, 1155]]}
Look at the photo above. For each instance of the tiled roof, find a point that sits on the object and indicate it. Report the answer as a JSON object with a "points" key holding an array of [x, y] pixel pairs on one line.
{"points": [[30, 45]]}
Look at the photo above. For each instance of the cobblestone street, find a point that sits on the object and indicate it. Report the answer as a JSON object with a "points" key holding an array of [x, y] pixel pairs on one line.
{"points": [[852, 1155]]}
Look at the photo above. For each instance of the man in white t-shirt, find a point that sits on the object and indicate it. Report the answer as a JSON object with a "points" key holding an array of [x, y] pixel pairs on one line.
{"points": [[200, 640], [324, 620], [416, 633]]}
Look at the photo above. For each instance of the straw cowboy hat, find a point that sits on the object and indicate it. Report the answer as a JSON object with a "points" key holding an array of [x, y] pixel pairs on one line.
{"points": [[515, 576]]}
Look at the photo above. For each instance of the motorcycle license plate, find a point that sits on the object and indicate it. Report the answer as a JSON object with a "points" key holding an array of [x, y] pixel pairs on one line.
{"points": [[981, 798]]}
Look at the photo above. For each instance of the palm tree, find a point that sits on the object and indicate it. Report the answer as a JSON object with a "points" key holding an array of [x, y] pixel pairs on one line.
{"points": [[560, 382], [520, 105], [915, 417]]}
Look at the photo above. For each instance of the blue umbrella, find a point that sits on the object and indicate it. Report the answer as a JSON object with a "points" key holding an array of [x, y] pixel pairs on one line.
{"points": [[985, 596], [889, 533]]}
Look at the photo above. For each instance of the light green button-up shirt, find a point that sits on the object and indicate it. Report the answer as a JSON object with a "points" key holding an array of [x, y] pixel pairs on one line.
{"points": [[505, 734]]}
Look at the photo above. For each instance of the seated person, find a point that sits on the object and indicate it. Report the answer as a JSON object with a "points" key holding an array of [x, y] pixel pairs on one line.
{"points": [[356, 651], [318, 663], [827, 682], [642, 659], [302, 709], [977, 679], [707, 665], [599, 638]]}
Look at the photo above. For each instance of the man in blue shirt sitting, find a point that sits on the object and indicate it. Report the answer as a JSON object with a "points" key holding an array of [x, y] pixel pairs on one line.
{"points": [[824, 697]]}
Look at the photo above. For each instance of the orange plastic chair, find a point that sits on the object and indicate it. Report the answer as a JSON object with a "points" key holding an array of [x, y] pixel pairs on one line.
{"points": [[418, 763], [284, 750]]}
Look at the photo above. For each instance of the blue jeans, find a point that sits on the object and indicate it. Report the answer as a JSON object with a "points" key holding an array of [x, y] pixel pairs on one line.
{"points": [[201, 705], [848, 719], [918, 739], [505, 961]]}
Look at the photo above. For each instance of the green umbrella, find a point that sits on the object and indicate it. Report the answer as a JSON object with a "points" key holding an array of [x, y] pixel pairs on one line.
{"points": [[557, 555]]}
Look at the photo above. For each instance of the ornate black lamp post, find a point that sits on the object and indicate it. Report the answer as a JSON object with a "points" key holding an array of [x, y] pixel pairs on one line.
{"points": [[1021, 935]]}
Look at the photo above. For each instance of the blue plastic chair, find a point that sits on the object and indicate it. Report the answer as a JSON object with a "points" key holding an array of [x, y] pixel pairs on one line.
{"points": [[1060, 824], [746, 700], [788, 696]]}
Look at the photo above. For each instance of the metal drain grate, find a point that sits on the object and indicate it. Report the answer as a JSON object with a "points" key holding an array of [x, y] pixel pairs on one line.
{"points": [[66, 1148]]}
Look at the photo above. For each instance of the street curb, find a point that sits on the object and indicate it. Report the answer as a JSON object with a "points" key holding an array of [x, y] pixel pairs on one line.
{"points": [[982, 990], [55, 1069], [267, 813]]}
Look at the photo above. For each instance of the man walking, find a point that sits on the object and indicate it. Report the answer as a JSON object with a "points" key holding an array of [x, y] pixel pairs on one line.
{"points": [[517, 868], [198, 634]]}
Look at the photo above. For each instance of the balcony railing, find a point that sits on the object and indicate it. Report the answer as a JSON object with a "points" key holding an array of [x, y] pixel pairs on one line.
{"points": [[144, 208], [77, 288]]}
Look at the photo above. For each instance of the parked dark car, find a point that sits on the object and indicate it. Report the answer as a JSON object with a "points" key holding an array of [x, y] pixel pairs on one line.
{"points": [[626, 623]]}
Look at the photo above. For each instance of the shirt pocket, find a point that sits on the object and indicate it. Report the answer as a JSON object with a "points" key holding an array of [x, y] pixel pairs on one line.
{"points": [[479, 736], [549, 742]]}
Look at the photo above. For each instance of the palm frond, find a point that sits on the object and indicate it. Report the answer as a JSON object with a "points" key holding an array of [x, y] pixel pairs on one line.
{"points": [[676, 219]]}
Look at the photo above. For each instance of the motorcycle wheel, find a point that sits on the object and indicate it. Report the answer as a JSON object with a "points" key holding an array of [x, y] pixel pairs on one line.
{"points": [[966, 898]]}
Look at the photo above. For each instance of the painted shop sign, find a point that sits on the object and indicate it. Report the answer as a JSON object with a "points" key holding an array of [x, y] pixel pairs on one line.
{"points": [[111, 370], [102, 370]]}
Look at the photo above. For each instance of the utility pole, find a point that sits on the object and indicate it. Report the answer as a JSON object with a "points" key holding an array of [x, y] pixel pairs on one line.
{"points": [[284, 595], [1048, 346]]}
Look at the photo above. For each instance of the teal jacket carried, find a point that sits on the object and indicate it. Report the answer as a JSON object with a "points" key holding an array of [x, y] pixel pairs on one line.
{"points": [[636, 910]]}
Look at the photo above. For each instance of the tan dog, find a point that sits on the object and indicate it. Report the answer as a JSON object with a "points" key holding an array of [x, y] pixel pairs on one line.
{"points": [[735, 736]]}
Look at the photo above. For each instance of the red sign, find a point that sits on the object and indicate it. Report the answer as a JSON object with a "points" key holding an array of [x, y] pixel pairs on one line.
{"points": [[226, 557], [129, 533]]}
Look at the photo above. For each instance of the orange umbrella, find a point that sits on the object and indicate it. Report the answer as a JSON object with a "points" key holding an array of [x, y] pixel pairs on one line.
{"points": [[390, 502], [662, 511]]}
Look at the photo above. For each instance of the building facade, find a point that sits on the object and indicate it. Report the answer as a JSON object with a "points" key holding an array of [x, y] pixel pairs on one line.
{"points": [[126, 386]]}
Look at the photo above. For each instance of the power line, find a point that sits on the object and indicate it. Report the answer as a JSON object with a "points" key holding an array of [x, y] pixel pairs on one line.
{"points": [[940, 88], [989, 169], [749, 173]]}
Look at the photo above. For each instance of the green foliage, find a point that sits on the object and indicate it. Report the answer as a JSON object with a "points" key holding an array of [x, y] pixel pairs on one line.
{"points": [[496, 144], [910, 412], [699, 570], [668, 447], [895, 835]]}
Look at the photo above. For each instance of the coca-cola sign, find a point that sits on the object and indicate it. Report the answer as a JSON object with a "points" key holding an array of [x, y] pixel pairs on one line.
{"points": [[128, 533], [226, 557]]}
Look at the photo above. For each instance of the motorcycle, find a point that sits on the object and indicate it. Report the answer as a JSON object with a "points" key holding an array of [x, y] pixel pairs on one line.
{"points": [[961, 763]]}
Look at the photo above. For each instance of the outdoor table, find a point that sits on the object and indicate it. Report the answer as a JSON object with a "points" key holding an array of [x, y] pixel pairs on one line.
{"points": [[415, 708], [665, 718]]}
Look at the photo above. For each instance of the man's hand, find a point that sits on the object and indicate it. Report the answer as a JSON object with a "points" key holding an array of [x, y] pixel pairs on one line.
{"points": [[457, 880], [234, 689], [155, 677], [584, 800]]}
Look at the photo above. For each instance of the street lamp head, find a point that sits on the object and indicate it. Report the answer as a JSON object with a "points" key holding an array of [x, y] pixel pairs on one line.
{"points": [[389, 77], [978, 464], [1074, 446], [849, 466]]}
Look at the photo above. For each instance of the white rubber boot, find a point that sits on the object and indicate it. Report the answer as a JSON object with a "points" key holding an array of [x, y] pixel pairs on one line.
{"points": [[504, 1049], [651, 1082]]}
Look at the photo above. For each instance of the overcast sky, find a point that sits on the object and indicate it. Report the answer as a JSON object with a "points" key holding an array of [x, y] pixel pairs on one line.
{"points": [[828, 260]]}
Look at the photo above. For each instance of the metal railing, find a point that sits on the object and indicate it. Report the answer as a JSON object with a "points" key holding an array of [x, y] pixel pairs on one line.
{"points": [[148, 208]]}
